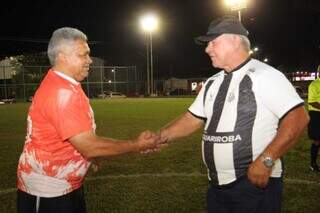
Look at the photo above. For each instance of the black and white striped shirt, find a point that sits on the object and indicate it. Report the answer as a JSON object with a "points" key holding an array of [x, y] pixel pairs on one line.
{"points": [[242, 110]]}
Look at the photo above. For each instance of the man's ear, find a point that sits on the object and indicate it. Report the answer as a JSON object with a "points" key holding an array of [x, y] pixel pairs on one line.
{"points": [[237, 40], [64, 52], [62, 58]]}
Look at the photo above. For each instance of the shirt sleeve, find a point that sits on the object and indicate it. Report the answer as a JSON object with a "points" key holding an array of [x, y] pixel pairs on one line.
{"points": [[197, 107], [71, 116], [313, 92], [277, 93]]}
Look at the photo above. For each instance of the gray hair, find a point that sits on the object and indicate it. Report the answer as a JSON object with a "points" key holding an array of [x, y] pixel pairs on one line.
{"points": [[245, 43], [60, 37]]}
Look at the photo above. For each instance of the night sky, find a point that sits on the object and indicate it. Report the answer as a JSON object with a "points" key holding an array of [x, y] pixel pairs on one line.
{"points": [[286, 31]]}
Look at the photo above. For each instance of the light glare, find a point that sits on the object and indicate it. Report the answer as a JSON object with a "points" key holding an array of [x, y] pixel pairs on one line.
{"points": [[149, 22], [236, 4]]}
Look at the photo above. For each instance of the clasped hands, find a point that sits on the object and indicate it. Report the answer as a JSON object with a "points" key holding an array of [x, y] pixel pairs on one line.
{"points": [[146, 142], [149, 141]]}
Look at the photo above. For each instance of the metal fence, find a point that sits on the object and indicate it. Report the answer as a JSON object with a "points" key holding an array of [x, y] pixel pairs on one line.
{"points": [[22, 83]]}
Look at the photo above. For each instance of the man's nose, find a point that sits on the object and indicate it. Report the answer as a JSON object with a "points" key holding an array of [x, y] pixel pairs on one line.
{"points": [[90, 60], [207, 50]]}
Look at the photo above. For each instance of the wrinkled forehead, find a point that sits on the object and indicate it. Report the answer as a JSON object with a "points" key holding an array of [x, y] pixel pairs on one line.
{"points": [[225, 37]]}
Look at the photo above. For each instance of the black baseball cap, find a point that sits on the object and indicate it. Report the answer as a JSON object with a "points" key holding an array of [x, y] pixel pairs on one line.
{"points": [[219, 26]]}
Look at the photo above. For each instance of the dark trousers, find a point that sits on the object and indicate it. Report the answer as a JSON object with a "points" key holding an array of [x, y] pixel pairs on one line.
{"points": [[244, 197], [314, 154], [72, 202]]}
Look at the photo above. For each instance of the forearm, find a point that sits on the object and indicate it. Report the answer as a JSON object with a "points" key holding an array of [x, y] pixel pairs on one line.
{"points": [[181, 127], [106, 147], [90, 145], [290, 129]]}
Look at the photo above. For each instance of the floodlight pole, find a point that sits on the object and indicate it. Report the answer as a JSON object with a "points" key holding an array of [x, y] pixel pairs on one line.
{"points": [[148, 68], [237, 6], [113, 70], [149, 24], [114, 80], [151, 64]]}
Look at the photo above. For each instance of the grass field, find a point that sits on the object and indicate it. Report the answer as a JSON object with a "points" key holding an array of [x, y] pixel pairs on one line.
{"points": [[173, 180]]}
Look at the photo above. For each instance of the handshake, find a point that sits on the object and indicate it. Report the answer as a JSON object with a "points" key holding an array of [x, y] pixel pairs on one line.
{"points": [[149, 141]]}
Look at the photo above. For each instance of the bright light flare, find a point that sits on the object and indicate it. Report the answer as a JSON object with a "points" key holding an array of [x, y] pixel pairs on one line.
{"points": [[149, 22], [254, 50], [236, 4]]}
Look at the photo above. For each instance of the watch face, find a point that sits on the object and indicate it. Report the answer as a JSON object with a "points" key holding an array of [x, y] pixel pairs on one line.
{"points": [[268, 162]]}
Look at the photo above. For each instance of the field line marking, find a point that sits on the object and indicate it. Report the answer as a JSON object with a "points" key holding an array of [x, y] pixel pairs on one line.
{"points": [[146, 175], [88, 179]]}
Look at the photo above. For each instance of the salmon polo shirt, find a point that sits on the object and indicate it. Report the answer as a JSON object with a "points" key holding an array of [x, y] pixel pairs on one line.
{"points": [[49, 165]]}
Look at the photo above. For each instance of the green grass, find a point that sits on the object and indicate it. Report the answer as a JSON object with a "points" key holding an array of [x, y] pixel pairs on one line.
{"points": [[131, 183]]}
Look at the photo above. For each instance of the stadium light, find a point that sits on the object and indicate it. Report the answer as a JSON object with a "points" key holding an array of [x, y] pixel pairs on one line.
{"points": [[149, 23], [254, 50], [237, 5]]}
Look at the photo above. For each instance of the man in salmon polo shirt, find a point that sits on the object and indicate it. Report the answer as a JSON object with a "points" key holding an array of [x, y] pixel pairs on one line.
{"points": [[61, 137]]}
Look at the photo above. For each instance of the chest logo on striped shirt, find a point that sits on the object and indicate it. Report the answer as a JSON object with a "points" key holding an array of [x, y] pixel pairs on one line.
{"points": [[231, 97]]}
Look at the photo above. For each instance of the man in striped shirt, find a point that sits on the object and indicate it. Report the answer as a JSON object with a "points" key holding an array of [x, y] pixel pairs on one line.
{"points": [[251, 116]]}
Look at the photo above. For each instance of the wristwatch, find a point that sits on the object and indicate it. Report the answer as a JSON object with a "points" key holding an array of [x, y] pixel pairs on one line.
{"points": [[267, 161]]}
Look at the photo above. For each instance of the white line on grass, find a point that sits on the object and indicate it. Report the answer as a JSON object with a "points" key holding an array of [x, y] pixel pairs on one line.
{"points": [[287, 180]]}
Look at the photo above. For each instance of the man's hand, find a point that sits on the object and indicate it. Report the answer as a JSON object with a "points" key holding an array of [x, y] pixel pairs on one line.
{"points": [[258, 173], [160, 143], [147, 140], [163, 139]]}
